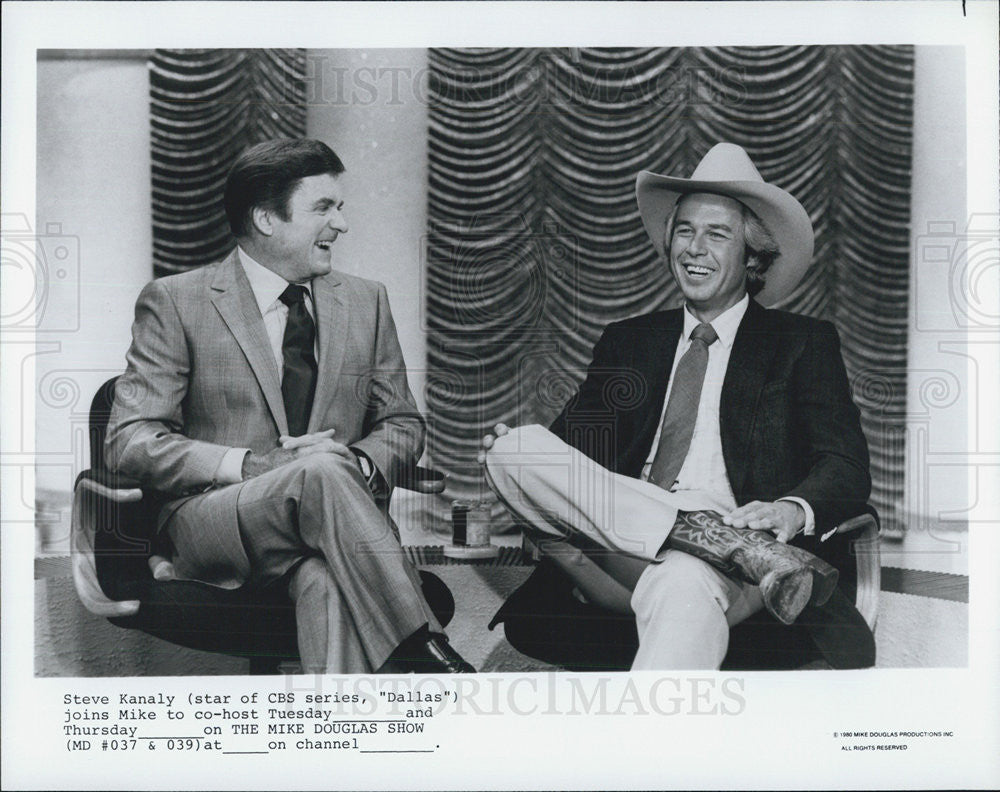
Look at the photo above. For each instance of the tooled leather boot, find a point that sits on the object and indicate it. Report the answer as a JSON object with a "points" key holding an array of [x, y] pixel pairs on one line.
{"points": [[789, 577]]}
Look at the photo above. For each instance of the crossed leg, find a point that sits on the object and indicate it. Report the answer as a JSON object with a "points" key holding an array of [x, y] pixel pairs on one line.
{"points": [[333, 646], [683, 606], [357, 597]]}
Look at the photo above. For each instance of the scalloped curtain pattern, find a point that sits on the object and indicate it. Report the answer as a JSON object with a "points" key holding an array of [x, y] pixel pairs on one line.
{"points": [[536, 244], [206, 106]]}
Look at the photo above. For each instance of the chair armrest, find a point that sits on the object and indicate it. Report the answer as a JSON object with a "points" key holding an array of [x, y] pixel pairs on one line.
{"points": [[862, 522], [865, 547], [88, 587], [421, 479], [109, 485]]}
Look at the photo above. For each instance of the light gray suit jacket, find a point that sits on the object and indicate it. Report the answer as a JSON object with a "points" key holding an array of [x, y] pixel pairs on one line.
{"points": [[201, 379]]}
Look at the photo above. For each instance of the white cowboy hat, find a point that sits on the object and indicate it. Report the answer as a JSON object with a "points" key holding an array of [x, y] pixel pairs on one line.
{"points": [[727, 170]]}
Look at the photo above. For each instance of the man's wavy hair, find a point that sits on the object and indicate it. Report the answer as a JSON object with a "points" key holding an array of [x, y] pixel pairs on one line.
{"points": [[267, 175], [761, 248]]}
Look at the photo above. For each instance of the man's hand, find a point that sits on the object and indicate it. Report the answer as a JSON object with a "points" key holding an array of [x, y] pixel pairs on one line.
{"points": [[487, 442], [315, 443], [783, 518], [292, 448]]}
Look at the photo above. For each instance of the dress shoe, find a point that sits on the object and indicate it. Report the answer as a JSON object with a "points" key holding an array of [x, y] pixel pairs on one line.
{"points": [[425, 652], [789, 578]]}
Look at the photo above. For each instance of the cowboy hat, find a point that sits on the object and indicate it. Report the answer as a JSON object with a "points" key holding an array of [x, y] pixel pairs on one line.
{"points": [[727, 170]]}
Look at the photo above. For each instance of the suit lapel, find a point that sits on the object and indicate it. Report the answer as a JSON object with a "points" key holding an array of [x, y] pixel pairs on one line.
{"points": [[235, 303], [753, 351], [332, 323]]}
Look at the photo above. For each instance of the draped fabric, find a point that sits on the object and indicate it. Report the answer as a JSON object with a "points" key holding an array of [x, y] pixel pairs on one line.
{"points": [[535, 240], [206, 106]]}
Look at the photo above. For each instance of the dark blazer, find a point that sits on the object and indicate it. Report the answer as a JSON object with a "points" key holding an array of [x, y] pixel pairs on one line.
{"points": [[787, 421]]}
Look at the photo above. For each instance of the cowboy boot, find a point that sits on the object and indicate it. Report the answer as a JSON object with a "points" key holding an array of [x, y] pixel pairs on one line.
{"points": [[824, 576], [789, 578]]}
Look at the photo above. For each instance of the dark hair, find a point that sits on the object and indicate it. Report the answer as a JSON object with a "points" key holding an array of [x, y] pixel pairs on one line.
{"points": [[267, 174], [761, 248]]}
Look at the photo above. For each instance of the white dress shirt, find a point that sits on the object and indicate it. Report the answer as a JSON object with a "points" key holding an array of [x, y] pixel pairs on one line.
{"points": [[267, 287], [704, 468]]}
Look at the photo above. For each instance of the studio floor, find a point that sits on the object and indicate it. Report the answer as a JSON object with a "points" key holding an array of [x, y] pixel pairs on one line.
{"points": [[923, 617]]}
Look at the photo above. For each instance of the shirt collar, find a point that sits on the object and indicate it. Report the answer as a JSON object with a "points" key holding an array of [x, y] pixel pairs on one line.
{"points": [[725, 324], [266, 284]]}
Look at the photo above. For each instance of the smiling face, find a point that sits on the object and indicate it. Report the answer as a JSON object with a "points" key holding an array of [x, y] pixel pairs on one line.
{"points": [[298, 248], [707, 253]]}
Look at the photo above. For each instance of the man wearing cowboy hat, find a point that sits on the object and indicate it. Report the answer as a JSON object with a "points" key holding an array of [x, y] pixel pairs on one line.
{"points": [[710, 496]]}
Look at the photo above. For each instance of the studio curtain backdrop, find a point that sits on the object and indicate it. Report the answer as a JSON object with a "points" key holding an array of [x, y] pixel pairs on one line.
{"points": [[535, 240], [206, 106]]}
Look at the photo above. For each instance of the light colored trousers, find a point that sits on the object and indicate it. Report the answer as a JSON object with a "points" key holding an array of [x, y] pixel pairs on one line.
{"points": [[683, 606], [356, 595]]}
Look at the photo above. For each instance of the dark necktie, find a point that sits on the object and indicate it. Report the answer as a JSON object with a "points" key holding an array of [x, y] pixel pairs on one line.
{"points": [[299, 381], [682, 408]]}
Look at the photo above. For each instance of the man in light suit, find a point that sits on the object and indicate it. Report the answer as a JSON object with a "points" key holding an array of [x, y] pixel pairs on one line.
{"points": [[266, 398], [675, 494]]}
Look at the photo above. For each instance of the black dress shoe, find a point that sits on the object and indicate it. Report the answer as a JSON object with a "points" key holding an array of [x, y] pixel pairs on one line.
{"points": [[425, 653]]}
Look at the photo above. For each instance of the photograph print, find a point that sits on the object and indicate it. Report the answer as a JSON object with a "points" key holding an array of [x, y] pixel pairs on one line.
{"points": [[451, 360]]}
